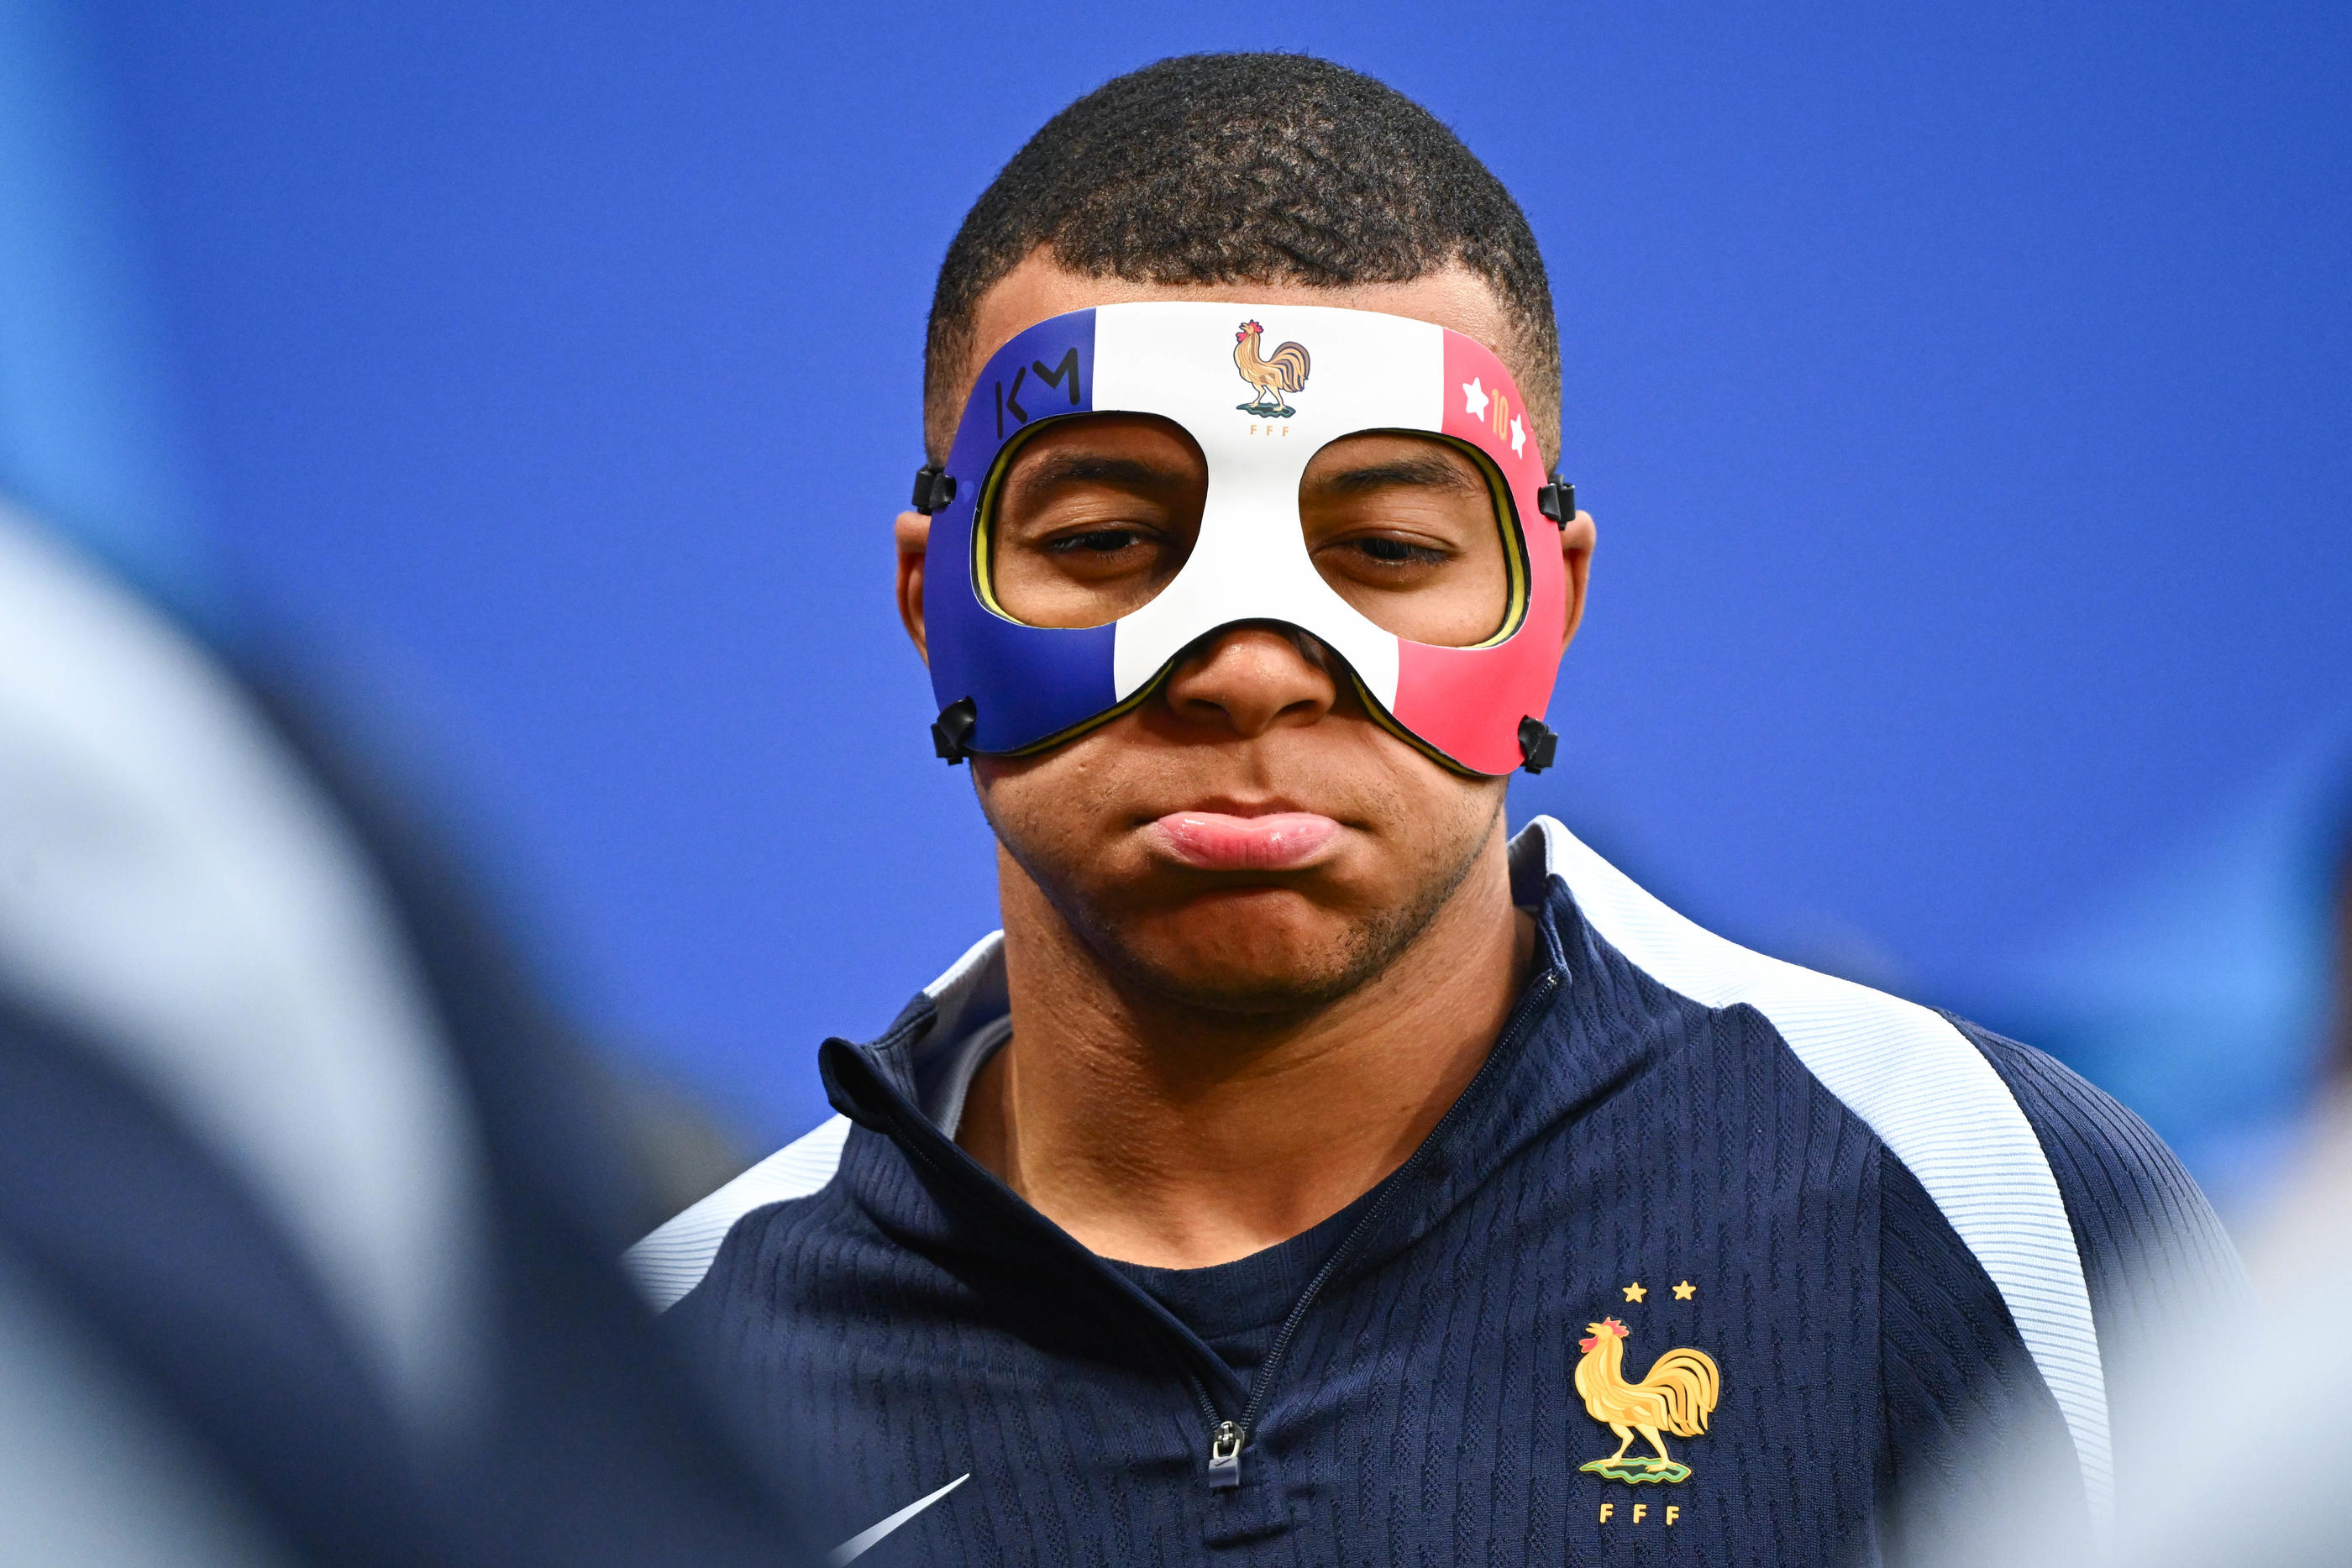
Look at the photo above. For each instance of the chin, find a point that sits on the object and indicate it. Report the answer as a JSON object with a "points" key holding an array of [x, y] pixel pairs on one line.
{"points": [[1263, 950]]}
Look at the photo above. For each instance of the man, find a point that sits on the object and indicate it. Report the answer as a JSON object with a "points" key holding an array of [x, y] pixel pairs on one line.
{"points": [[1311, 1170]]}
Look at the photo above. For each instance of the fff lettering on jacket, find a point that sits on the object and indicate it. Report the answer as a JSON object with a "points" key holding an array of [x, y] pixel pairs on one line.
{"points": [[1640, 1512]]}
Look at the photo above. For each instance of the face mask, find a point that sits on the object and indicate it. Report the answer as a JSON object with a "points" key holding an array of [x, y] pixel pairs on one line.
{"points": [[1131, 479]]}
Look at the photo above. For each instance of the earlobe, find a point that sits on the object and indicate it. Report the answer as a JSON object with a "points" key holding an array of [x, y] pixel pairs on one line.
{"points": [[912, 534], [1576, 537]]}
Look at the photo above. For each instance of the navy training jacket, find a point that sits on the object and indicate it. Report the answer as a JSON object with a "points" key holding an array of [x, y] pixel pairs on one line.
{"points": [[1810, 1251]]}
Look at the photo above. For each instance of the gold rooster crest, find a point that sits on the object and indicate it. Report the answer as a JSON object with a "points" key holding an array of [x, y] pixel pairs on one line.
{"points": [[1272, 376], [1676, 1397]]}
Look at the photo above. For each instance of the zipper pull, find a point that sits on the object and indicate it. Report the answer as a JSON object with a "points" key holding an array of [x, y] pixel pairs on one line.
{"points": [[1225, 1455]]}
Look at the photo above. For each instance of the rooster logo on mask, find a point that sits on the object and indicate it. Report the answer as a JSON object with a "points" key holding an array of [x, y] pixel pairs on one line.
{"points": [[1272, 376]]}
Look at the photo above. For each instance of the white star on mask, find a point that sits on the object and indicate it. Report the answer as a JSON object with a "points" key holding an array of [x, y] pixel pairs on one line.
{"points": [[1518, 435], [1474, 399]]}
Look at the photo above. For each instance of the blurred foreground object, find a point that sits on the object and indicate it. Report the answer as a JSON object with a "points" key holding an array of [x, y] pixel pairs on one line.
{"points": [[2262, 1466], [2241, 1413], [2243, 1434], [308, 1207]]}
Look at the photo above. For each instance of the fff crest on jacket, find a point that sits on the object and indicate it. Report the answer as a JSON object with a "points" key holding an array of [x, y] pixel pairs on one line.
{"points": [[1676, 1395]]}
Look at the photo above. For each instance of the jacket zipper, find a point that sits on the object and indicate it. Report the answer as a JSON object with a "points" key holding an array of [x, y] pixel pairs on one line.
{"points": [[1228, 1438]]}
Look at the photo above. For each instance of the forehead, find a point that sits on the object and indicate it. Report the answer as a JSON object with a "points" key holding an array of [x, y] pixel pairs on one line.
{"points": [[1041, 288]]}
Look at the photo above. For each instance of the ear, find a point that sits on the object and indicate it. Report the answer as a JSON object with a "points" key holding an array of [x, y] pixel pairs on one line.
{"points": [[1576, 541], [912, 534]]}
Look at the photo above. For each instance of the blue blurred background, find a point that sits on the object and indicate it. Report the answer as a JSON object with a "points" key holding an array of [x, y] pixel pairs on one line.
{"points": [[1962, 397]]}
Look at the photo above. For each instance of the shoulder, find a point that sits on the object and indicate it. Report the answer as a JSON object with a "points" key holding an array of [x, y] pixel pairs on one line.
{"points": [[958, 1006], [1926, 1091], [673, 1259], [2150, 1241], [2008, 1170], [1921, 1085]]}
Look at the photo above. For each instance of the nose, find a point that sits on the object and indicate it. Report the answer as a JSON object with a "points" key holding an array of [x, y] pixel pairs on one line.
{"points": [[1253, 679]]}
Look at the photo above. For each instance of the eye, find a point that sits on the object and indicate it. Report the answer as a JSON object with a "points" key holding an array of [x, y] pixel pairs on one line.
{"points": [[1389, 551], [1097, 541]]}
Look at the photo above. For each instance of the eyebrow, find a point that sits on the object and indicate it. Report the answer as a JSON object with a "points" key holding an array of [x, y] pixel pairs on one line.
{"points": [[1083, 467], [1422, 473]]}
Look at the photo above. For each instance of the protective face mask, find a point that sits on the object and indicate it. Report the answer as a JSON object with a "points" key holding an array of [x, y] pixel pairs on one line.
{"points": [[1128, 480]]}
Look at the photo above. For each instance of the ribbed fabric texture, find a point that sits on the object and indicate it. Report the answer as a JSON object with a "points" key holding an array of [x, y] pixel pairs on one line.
{"points": [[1237, 1307], [2157, 1251], [2162, 1269], [1969, 1427], [913, 1322]]}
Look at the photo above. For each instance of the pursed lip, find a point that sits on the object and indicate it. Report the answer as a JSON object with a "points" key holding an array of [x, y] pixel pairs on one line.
{"points": [[1228, 837]]}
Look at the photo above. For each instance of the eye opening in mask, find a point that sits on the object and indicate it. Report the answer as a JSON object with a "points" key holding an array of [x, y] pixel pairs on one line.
{"points": [[1419, 533], [1083, 536]]}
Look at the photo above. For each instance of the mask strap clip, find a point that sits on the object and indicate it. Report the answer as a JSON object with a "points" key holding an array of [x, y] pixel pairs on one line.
{"points": [[951, 732], [1537, 744], [1556, 501], [933, 489]]}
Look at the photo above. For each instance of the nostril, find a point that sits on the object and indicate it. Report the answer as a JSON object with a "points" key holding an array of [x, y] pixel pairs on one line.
{"points": [[1252, 678]]}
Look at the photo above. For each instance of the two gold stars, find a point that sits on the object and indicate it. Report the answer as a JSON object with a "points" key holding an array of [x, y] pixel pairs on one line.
{"points": [[1683, 1292]]}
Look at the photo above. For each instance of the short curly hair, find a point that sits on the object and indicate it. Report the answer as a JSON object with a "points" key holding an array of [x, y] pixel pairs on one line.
{"points": [[1245, 167]]}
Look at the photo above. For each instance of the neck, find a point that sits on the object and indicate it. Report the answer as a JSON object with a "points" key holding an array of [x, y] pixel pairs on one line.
{"points": [[1182, 1137]]}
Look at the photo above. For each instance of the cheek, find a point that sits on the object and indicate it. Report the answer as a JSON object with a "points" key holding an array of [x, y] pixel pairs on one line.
{"points": [[1441, 814], [1052, 810]]}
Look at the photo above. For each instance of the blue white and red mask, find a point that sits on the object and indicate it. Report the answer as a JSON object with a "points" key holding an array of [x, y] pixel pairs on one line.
{"points": [[1049, 610]]}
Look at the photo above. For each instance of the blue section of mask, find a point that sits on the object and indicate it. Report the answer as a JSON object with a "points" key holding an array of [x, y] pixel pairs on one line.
{"points": [[1027, 682]]}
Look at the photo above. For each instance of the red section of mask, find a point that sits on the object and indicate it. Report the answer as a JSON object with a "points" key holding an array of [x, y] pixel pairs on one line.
{"points": [[1468, 702]]}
